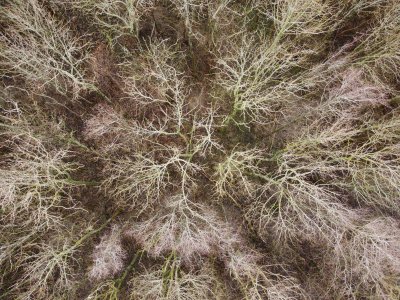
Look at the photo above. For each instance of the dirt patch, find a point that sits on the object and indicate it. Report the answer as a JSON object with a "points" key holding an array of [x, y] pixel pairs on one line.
{"points": [[103, 68]]}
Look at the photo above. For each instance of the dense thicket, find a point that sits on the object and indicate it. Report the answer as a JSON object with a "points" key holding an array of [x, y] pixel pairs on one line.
{"points": [[199, 149]]}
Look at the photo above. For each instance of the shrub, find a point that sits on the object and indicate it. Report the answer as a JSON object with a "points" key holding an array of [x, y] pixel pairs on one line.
{"points": [[173, 283], [183, 227], [257, 282], [108, 255], [41, 50]]}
